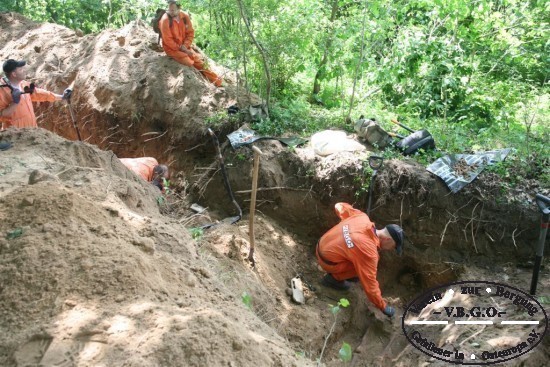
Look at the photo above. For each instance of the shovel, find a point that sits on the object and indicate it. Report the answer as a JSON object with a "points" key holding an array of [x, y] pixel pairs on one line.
{"points": [[71, 112], [543, 203], [375, 162], [73, 118], [257, 154]]}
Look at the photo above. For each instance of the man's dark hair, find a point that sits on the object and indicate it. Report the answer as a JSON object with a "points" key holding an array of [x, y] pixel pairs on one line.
{"points": [[11, 64], [398, 237], [160, 170]]}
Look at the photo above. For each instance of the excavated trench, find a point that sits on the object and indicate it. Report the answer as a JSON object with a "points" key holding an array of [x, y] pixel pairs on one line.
{"points": [[478, 233]]}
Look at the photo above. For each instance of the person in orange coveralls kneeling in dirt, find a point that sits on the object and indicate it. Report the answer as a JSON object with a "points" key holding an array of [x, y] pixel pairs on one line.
{"points": [[16, 96], [350, 250], [149, 169], [177, 36]]}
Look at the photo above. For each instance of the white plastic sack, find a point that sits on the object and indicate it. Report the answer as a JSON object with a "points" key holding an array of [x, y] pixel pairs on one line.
{"points": [[330, 141]]}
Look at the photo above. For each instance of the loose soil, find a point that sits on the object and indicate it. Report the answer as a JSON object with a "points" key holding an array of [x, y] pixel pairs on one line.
{"points": [[96, 269]]}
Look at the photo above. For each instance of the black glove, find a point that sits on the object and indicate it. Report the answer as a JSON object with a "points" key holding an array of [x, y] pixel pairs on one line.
{"points": [[16, 95], [67, 94], [389, 311]]}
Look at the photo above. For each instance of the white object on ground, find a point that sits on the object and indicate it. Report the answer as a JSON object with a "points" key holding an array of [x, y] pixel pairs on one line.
{"points": [[333, 141], [297, 291]]}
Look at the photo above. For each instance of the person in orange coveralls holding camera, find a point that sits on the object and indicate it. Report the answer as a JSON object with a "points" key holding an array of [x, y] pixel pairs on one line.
{"points": [[16, 96]]}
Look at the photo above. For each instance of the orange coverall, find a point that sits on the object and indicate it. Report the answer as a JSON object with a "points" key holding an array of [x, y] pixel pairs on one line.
{"points": [[182, 33], [23, 115], [143, 167], [352, 246]]}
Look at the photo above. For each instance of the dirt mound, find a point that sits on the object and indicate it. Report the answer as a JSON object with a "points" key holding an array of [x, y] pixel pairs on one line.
{"points": [[479, 233], [128, 95], [92, 274]]}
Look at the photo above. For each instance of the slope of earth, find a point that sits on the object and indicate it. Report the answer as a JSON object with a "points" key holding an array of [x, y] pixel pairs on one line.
{"points": [[129, 97], [92, 275]]}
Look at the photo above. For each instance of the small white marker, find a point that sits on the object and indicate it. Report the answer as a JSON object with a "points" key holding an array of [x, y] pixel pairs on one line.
{"points": [[473, 356], [450, 291], [488, 290]]}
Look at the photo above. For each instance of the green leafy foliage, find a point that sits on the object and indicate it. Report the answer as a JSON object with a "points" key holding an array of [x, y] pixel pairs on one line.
{"points": [[17, 232], [166, 185], [342, 303], [247, 300], [196, 233], [474, 74], [345, 352]]}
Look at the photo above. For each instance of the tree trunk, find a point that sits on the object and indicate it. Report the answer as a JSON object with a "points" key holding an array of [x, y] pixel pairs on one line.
{"points": [[328, 44], [362, 54], [262, 54]]}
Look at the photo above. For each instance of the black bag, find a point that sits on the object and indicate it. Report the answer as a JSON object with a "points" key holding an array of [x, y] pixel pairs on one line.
{"points": [[420, 139]]}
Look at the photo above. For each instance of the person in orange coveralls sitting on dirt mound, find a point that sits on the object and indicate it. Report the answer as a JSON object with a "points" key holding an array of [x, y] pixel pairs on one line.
{"points": [[16, 96], [350, 250], [149, 169], [177, 36]]}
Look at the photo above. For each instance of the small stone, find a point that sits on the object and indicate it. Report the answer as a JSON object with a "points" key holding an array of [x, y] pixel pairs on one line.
{"points": [[119, 298], [47, 227], [87, 265], [190, 281], [37, 176], [147, 245], [202, 271], [70, 303], [27, 202], [237, 346]]}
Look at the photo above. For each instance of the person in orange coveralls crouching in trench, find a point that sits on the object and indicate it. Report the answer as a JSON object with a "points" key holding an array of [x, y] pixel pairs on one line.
{"points": [[350, 250], [149, 169], [17, 95], [177, 36]]}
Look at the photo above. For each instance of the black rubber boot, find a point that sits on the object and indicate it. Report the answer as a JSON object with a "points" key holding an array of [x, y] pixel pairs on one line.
{"points": [[329, 281]]}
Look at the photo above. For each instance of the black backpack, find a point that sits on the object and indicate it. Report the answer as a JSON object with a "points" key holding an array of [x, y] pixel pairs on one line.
{"points": [[420, 139], [156, 19]]}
